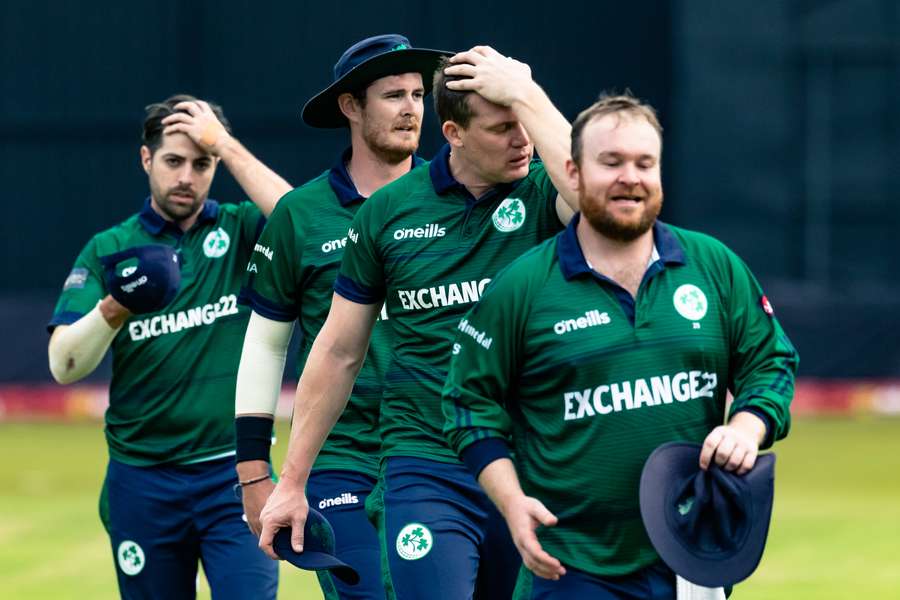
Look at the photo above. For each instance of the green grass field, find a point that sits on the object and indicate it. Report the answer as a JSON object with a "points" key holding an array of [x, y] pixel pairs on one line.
{"points": [[834, 533]]}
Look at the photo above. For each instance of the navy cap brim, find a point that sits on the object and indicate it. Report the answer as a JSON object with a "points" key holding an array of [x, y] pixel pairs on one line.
{"points": [[675, 462], [312, 561], [322, 109]]}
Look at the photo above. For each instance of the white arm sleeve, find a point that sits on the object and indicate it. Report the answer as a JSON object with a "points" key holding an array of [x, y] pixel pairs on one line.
{"points": [[262, 365], [75, 350]]}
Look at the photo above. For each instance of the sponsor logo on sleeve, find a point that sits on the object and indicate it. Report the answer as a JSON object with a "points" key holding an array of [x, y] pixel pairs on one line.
{"points": [[264, 250], [76, 279], [479, 336], [767, 306], [216, 243], [509, 216]]}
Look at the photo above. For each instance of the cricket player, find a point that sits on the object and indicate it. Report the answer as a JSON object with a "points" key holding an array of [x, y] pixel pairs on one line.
{"points": [[161, 289], [597, 346], [426, 246], [378, 94]]}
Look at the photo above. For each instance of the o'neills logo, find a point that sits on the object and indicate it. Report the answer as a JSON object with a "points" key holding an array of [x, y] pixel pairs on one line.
{"points": [[353, 235], [591, 318], [432, 230], [345, 498]]}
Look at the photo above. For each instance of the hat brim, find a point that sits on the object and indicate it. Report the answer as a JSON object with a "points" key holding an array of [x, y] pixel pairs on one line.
{"points": [[312, 561], [675, 462], [322, 109]]}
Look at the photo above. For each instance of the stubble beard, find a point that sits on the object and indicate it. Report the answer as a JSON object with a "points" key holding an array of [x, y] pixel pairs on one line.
{"points": [[379, 142], [171, 210]]}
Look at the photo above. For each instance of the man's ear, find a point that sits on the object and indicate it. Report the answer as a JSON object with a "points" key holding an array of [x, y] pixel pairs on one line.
{"points": [[453, 133], [146, 158], [572, 172], [350, 107]]}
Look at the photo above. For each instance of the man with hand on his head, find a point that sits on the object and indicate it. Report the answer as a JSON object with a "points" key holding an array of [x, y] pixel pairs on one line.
{"points": [[425, 246], [160, 289]]}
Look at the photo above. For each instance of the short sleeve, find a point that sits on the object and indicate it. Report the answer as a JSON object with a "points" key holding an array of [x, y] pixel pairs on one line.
{"points": [[83, 288], [272, 281], [361, 276]]}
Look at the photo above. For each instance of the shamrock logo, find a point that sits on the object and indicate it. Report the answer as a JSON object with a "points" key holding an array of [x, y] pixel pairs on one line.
{"points": [[414, 541], [510, 215]]}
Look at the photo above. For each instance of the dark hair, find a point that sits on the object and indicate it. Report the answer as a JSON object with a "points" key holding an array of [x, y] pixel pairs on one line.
{"points": [[156, 112], [608, 104], [450, 105]]}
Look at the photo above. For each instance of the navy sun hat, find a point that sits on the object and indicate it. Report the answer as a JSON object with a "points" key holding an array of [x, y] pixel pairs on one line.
{"points": [[709, 526], [318, 549], [363, 63]]}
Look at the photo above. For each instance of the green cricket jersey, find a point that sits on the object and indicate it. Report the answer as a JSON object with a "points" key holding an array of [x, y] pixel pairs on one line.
{"points": [[427, 248], [171, 398], [291, 276], [586, 382]]}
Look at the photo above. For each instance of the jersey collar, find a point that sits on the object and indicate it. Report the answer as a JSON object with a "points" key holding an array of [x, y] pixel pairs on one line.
{"points": [[343, 185], [444, 181], [572, 261], [153, 222]]}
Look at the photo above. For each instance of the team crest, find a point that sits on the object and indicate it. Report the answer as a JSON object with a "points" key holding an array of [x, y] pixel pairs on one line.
{"points": [[216, 243], [130, 557], [414, 541], [510, 215], [690, 302]]}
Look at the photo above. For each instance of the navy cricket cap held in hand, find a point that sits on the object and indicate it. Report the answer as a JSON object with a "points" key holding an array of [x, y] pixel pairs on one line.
{"points": [[143, 279], [363, 63], [710, 527], [318, 548]]}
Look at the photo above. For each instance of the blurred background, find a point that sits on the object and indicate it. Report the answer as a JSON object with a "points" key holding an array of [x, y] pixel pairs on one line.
{"points": [[782, 134]]}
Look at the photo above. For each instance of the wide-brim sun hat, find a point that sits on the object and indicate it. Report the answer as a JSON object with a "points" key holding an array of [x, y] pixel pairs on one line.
{"points": [[364, 62], [710, 527]]}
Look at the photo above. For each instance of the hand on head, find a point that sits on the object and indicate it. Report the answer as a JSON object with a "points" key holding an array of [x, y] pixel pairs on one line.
{"points": [[198, 121], [499, 79]]}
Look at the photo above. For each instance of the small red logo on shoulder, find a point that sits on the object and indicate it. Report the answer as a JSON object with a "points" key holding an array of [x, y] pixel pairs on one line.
{"points": [[767, 306]]}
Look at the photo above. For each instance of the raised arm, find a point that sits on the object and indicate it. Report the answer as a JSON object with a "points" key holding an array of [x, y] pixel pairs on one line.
{"points": [[506, 81], [262, 185], [322, 392]]}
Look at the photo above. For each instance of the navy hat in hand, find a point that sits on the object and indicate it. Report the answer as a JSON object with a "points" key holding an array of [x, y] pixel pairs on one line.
{"points": [[364, 62], [709, 526], [318, 549], [143, 279]]}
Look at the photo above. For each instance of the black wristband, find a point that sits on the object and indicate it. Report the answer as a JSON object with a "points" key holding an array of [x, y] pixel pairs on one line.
{"points": [[253, 438]]}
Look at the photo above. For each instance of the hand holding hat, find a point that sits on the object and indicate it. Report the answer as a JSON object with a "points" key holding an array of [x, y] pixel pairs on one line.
{"points": [[318, 548], [143, 279], [709, 526]]}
